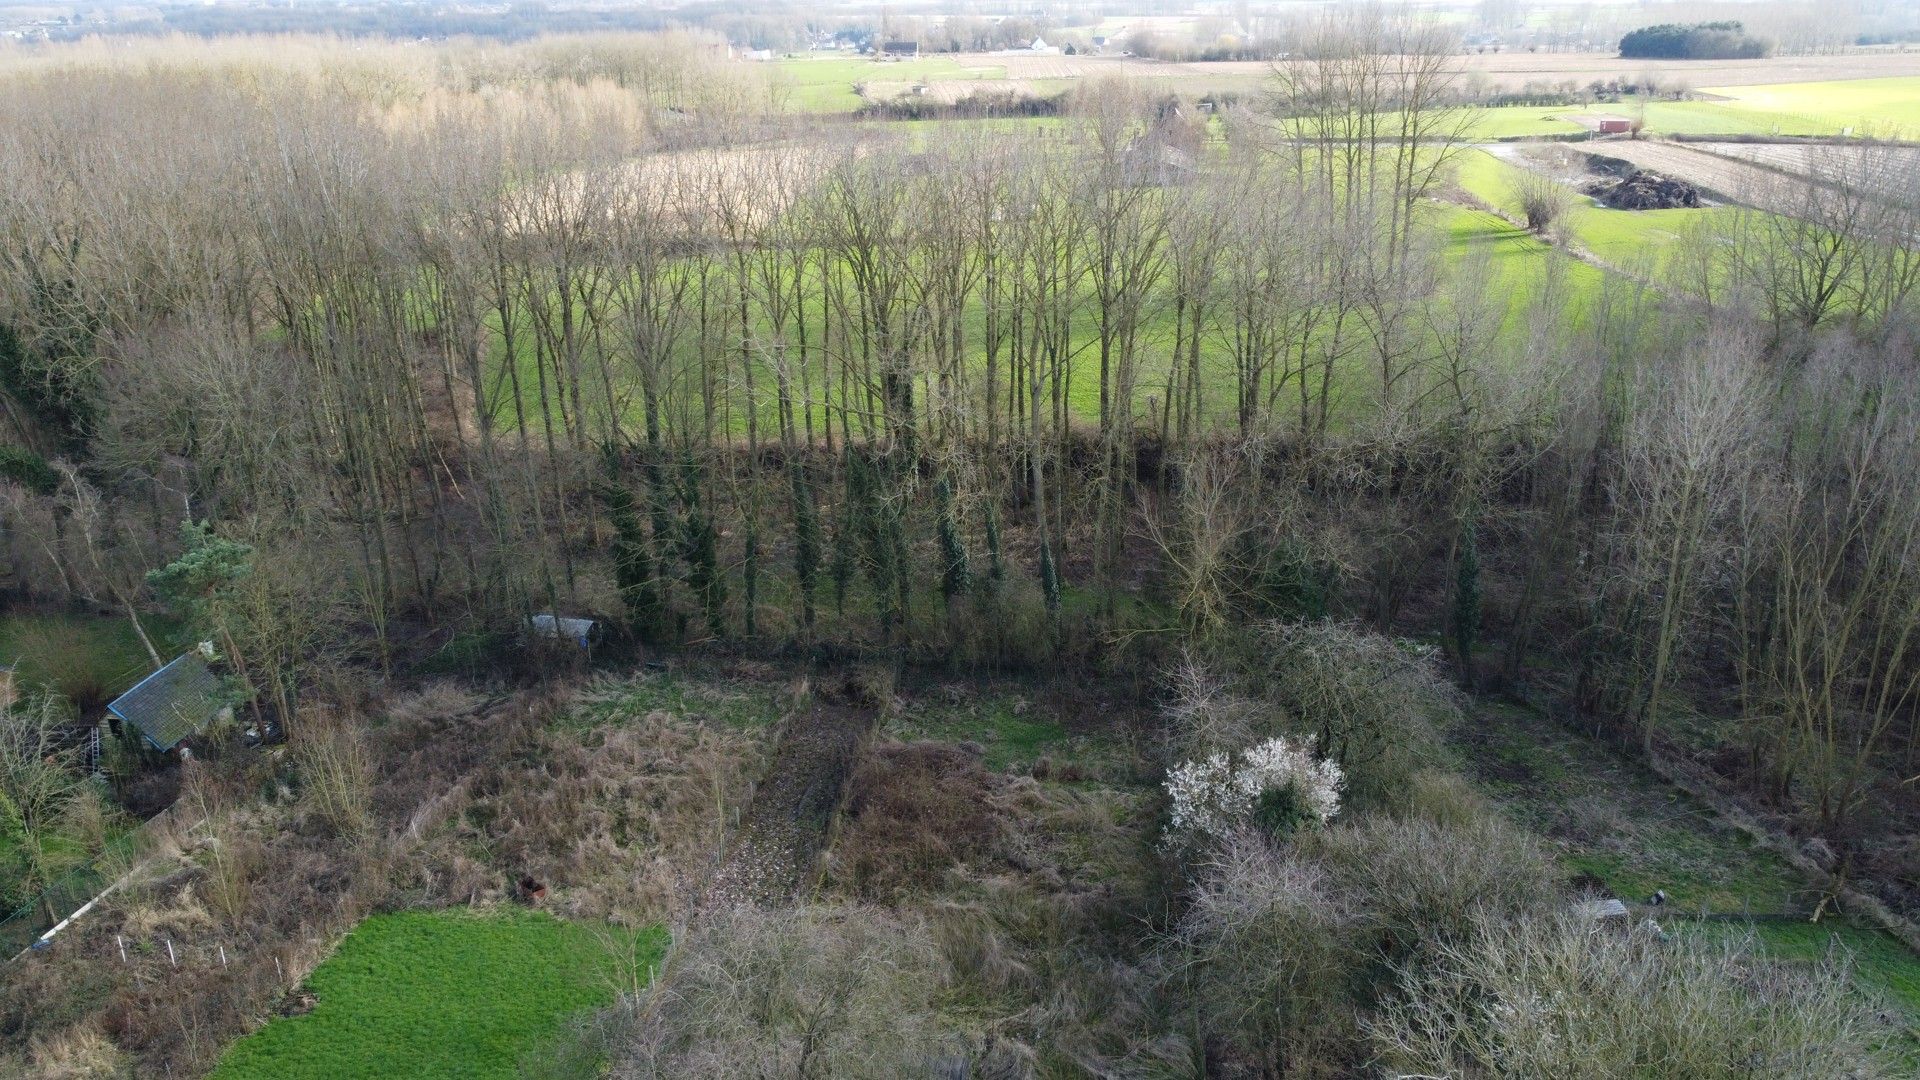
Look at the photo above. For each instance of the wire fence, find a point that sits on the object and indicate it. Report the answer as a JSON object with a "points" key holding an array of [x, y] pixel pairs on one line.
{"points": [[57, 902]]}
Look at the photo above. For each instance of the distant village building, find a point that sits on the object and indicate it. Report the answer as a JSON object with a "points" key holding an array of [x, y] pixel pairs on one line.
{"points": [[1040, 46], [900, 50]]}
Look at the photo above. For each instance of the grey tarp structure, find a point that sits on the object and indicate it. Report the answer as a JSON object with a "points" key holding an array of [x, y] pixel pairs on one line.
{"points": [[173, 703], [578, 631]]}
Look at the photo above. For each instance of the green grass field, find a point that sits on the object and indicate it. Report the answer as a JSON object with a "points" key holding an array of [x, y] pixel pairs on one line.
{"points": [[433, 995], [826, 84], [1637, 241], [1882, 107], [1888, 107], [1014, 732]]}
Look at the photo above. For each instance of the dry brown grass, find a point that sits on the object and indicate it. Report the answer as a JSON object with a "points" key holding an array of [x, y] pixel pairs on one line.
{"points": [[915, 814], [82, 1052]]}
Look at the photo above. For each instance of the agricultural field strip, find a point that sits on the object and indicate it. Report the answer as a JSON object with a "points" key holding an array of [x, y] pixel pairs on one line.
{"points": [[1512, 71], [1505, 71], [1726, 177], [1884, 169]]}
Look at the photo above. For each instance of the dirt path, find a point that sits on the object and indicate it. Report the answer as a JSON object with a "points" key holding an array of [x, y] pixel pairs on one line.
{"points": [[785, 828]]}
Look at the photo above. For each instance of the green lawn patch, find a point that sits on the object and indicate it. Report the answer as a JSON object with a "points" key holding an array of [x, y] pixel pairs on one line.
{"points": [[1615, 820], [423, 995], [1013, 731], [735, 706]]}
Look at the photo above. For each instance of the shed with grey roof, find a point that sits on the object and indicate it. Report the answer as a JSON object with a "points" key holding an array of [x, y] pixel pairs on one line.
{"points": [[172, 704]]}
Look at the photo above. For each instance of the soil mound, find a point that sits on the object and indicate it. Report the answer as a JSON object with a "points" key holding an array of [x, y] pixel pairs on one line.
{"points": [[1646, 191]]}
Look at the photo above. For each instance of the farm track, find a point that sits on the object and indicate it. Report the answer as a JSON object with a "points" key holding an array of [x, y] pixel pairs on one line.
{"points": [[787, 826]]}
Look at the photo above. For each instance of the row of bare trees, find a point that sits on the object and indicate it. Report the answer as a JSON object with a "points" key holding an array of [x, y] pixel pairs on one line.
{"points": [[445, 358]]}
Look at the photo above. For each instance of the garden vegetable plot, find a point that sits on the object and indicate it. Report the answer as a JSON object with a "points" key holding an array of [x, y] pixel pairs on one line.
{"points": [[450, 994]]}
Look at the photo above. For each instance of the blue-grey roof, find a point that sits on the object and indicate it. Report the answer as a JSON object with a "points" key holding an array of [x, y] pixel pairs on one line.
{"points": [[173, 703]]}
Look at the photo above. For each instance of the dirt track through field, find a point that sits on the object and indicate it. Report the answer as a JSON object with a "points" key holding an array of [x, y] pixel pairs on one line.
{"points": [[785, 828]]}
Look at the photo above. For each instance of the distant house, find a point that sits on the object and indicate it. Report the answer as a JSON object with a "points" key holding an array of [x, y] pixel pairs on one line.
{"points": [[173, 704], [900, 50], [1040, 46]]}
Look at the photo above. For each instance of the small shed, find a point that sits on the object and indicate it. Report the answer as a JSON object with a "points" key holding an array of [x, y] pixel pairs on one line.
{"points": [[900, 50], [172, 704], [1605, 123], [559, 627]]}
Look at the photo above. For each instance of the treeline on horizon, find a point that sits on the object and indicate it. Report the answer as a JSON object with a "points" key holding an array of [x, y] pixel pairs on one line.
{"points": [[439, 358]]}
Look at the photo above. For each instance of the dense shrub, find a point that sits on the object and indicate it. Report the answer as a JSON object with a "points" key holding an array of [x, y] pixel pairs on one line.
{"points": [[1268, 950], [1419, 882], [814, 992], [28, 469], [1204, 716], [1442, 798], [1372, 705], [1551, 997], [335, 771]]}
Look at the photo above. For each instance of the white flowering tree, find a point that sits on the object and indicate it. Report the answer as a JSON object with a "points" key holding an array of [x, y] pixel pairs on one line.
{"points": [[1277, 785]]}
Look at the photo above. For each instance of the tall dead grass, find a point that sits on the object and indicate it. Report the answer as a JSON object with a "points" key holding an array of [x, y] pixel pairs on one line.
{"points": [[1553, 997]]}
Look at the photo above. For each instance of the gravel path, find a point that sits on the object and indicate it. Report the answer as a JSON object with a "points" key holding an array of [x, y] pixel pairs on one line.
{"points": [[778, 845]]}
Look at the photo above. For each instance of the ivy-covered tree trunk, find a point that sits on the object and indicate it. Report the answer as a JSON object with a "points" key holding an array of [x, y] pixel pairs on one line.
{"points": [[633, 571], [956, 572], [806, 540]]}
